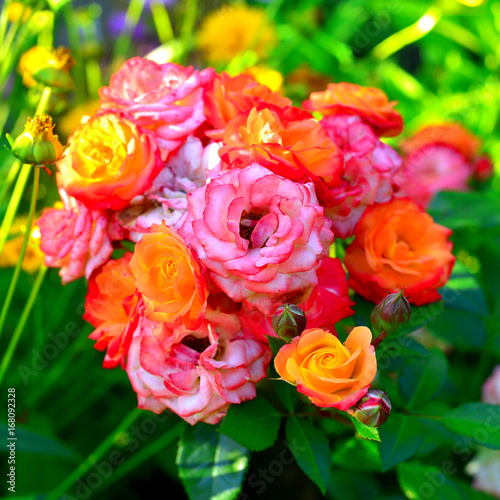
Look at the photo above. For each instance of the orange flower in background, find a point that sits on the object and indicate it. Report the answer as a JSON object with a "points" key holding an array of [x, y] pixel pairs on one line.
{"points": [[330, 373], [169, 277], [111, 306], [288, 141], [108, 162], [230, 96], [399, 246], [449, 134], [369, 103]]}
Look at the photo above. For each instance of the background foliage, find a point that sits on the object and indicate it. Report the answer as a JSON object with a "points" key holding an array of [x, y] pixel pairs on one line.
{"points": [[441, 61]]}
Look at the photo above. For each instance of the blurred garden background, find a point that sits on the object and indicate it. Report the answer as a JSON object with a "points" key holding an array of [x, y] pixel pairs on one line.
{"points": [[439, 59]]}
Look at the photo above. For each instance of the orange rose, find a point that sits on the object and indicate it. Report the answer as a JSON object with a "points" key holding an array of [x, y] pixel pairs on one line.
{"points": [[111, 306], [169, 277], [329, 373], [108, 162], [369, 103], [230, 96], [288, 141], [449, 134], [397, 245]]}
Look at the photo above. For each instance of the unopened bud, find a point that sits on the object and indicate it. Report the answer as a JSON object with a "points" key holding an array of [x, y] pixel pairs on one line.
{"points": [[37, 144], [373, 409], [289, 321], [391, 313]]}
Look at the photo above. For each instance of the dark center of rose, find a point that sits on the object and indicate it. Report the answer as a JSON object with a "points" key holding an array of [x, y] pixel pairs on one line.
{"points": [[248, 222], [198, 345]]}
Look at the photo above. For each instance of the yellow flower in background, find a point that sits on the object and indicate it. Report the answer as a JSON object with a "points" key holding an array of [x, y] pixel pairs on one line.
{"points": [[33, 258], [40, 65], [233, 29], [267, 76], [68, 123], [16, 10]]}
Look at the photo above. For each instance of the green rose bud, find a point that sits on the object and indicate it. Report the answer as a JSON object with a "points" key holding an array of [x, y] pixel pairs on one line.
{"points": [[391, 313], [373, 409], [289, 321], [37, 144]]}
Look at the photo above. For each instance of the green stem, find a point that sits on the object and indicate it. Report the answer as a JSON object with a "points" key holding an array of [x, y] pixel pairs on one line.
{"points": [[11, 348], [4, 20], [162, 22], [408, 35], [15, 199], [132, 17], [145, 454], [17, 270], [85, 466], [188, 26], [13, 173], [74, 45]]}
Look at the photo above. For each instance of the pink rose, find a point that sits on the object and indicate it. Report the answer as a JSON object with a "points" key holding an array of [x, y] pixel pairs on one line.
{"points": [[485, 467], [165, 98], [76, 239], [491, 388], [430, 169], [196, 374], [368, 176], [259, 235]]}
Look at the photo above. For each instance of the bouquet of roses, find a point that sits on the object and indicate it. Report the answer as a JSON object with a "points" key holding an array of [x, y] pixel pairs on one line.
{"points": [[198, 205]]}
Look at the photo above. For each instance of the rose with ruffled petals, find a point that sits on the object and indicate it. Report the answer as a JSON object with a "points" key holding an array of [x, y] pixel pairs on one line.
{"points": [[398, 246], [76, 239], [371, 104], [109, 161], [259, 235], [111, 305], [164, 98], [288, 141], [368, 176], [196, 374], [331, 374], [169, 277], [229, 96]]}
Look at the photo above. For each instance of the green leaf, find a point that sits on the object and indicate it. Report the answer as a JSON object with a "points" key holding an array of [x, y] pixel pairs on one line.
{"points": [[55, 5], [423, 377], [458, 210], [253, 424], [10, 139], [477, 420], [358, 455], [400, 438], [309, 446], [364, 431], [211, 465], [275, 343], [436, 483], [287, 393]]}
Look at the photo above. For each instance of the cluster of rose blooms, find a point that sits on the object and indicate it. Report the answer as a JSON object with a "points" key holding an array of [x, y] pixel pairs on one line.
{"points": [[219, 201]]}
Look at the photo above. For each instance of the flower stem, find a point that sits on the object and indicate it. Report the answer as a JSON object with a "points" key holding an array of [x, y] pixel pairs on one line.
{"points": [[132, 17], [187, 27], [380, 337], [7, 357], [17, 270], [15, 199], [94, 456], [162, 22]]}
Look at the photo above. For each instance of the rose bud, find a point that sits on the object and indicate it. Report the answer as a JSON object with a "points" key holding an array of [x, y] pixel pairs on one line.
{"points": [[373, 409], [37, 144], [391, 313], [289, 321]]}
